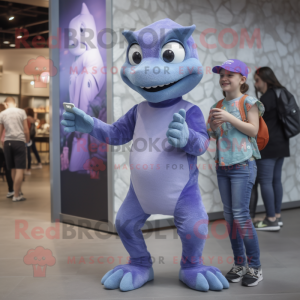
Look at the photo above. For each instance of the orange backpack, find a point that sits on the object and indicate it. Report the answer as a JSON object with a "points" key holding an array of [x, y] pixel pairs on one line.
{"points": [[262, 138]]}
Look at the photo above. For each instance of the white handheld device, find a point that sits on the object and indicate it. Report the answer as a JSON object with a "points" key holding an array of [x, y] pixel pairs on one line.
{"points": [[68, 106]]}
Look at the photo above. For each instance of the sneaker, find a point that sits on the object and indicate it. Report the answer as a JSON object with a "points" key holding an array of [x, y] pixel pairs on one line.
{"points": [[252, 277], [20, 198], [27, 173], [10, 194], [39, 166], [236, 273], [267, 225], [280, 223]]}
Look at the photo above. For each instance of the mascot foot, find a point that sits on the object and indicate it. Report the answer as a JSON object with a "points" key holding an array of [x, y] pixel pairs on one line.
{"points": [[127, 277], [203, 278]]}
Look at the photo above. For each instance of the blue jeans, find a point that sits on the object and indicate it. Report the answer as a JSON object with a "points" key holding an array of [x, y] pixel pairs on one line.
{"points": [[34, 150], [269, 178], [235, 185]]}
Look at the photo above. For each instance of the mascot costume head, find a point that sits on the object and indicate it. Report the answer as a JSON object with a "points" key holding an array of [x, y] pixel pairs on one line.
{"points": [[164, 59]]}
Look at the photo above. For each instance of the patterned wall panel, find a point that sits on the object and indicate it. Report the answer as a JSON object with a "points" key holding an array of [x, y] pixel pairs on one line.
{"points": [[278, 24]]}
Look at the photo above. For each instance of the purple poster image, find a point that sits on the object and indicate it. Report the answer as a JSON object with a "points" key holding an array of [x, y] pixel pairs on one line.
{"points": [[83, 83]]}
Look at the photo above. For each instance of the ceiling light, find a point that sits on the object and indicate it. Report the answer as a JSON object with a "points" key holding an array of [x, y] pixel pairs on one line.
{"points": [[19, 37], [32, 82], [12, 45], [6, 42], [11, 18]]}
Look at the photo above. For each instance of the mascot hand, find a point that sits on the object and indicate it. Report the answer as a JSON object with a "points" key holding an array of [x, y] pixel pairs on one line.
{"points": [[178, 132], [77, 120]]}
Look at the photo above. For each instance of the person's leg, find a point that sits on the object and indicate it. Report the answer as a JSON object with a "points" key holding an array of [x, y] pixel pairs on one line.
{"points": [[19, 155], [253, 200], [241, 185], [28, 159], [18, 179], [34, 150], [2, 158], [224, 183], [265, 171], [9, 165], [9, 158], [130, 219], [9, 180], [13, 174], [277, 186], [7, 172], [191, 221], [242, 181]]}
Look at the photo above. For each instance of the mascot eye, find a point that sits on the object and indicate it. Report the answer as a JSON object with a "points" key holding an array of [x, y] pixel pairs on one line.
{"points": [[173, 52], [135, 55], [82, 27]]}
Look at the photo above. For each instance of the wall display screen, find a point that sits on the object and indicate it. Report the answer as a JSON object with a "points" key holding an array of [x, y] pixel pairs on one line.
{"points": [[83, 159]]}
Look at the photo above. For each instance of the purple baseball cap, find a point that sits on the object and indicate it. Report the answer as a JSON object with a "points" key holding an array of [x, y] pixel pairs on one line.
{"points": [[233, 65]]}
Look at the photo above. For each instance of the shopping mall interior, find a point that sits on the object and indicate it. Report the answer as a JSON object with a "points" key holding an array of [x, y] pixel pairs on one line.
{"points": [[61, 233]]}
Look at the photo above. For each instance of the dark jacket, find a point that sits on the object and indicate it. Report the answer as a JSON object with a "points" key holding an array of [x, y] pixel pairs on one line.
{"points": [[278, 145]]}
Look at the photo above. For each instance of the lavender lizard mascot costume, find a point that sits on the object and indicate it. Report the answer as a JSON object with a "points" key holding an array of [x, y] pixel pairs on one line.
{"points": [[166, 66]]}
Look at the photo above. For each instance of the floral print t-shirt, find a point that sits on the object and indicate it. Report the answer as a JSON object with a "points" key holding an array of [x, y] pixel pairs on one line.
{"points": [[233, 146]]}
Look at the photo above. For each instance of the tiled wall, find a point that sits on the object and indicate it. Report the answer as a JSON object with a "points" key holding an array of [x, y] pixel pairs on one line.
{"points": [[279, 25]]}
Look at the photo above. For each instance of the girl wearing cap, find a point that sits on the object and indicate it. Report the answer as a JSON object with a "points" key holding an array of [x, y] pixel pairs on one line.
{"points": [[236, 153]]}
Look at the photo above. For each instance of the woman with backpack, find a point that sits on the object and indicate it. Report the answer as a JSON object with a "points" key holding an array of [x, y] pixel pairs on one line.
{"points": [[269, 167], [236, 155], [31, 125]]}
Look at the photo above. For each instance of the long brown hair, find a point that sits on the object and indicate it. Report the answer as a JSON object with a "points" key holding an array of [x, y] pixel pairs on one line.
{"points": [[29, 112], [2, 107], [267, 75]]}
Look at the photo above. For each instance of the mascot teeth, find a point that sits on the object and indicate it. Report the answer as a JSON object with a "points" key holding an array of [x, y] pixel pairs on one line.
{"points": [[155, 86]]}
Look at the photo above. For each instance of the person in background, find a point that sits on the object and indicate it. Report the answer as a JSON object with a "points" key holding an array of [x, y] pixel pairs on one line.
{"points": [[31, 121], [14, 121], [269, 167], [9, 180]]}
